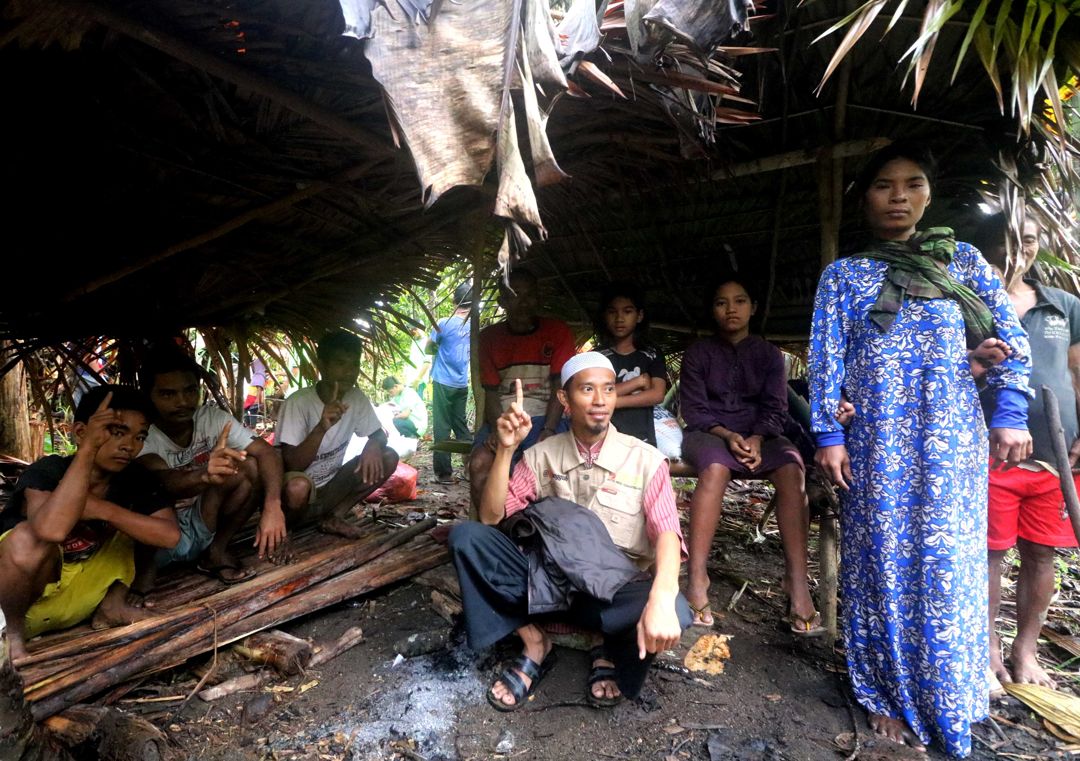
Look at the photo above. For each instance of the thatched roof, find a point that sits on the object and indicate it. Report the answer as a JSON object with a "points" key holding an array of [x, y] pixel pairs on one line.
{"points": [[180, 163]]}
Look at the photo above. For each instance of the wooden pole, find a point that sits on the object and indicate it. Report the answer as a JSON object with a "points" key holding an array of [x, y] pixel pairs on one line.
{"points": [[830, 184], [15, 439], [259, 212], [1061, 457]]}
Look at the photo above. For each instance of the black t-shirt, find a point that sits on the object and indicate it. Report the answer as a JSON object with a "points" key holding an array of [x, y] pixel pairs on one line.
{"points": [[133, 488], [636, 421]]}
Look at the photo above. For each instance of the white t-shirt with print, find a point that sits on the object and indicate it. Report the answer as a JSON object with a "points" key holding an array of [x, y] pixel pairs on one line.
{"points": [[209, 422], [302, 412]]}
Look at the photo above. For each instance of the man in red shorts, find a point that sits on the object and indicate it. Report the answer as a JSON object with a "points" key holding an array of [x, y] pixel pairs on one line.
{"points": [[1026, 505]]}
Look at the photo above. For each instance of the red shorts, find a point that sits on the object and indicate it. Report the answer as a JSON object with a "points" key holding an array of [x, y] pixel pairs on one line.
{"points": [[1028, 504]]}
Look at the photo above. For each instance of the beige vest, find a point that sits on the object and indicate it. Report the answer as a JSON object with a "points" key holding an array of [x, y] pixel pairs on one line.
{"points": [[613, 488]]}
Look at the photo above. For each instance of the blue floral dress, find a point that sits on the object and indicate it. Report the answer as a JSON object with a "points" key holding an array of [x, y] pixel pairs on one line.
{"points": [[913, 549]]}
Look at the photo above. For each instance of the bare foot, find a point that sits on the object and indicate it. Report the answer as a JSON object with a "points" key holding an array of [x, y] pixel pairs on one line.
{"points": [[697, 594], [895, 730], [341, 527], [140, 588], [800, 603], [114, 610], [996, 666], [1026, 670], [224, 566], [536, 647]]}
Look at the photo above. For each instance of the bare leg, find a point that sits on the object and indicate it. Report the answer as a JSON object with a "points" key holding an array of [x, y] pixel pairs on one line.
{"points": [[480, 463], [994, 559], [295, 499], [225, 509], [27, 565], [536, 647], [793, 519], [345, 490], [1034, 590], [705, 508], [114, 609], [145, 576], [895, 730]]}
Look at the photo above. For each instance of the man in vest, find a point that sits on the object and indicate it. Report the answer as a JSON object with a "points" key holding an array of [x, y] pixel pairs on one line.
{"points": [[622, 481]]}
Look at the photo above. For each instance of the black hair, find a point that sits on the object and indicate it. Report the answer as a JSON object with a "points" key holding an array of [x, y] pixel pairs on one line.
{"points": [[636, 296], [709, 295], [463, 295], [517, 272], [166, 359], [901, 149], [124, 398], [389, 382], [339, 342]]}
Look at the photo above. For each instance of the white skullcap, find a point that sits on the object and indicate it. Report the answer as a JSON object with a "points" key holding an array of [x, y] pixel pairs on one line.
{"points": [[587, 360]]}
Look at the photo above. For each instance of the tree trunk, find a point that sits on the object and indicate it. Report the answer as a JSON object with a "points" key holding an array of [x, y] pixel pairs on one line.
{"points": [[15, 413]]}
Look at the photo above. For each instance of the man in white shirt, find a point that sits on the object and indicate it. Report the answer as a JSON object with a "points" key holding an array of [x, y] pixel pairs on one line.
{"points": [[314, 431], [217, 469]]}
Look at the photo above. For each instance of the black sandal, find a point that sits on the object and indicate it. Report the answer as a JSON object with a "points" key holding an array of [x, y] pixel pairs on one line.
{"points": [[600, 674], [513, 681]]}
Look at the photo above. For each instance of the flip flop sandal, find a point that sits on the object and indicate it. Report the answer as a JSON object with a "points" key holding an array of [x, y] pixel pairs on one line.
{"points": [[703, 616], [806, 628], [600, 674], [215, 571], [513, 681]]}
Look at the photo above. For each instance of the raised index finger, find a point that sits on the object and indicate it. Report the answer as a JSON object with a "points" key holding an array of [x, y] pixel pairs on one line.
{"points": [[105, 403], [520, 397], [223, 439]]}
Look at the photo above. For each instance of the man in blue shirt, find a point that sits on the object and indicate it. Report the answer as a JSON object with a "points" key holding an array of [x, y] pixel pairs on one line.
{"points": [[450, 379]]}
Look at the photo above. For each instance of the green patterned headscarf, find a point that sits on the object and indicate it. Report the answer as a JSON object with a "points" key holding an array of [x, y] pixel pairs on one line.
{"points": [[917, 268]]}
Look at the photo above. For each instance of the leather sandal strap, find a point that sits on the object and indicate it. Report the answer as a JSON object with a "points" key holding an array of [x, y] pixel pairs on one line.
{"points": [[515, 684], [601, 674], [528, 667]]}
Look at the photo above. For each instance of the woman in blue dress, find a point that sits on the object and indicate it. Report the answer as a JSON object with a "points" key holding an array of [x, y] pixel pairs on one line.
{"points": [[891, 330]]}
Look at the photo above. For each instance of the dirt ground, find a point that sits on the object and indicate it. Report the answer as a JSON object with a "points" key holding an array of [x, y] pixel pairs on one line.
{"points": [[777, 698]]}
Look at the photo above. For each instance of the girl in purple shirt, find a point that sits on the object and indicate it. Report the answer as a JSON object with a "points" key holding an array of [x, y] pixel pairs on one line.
{"points": [[733, 390]]}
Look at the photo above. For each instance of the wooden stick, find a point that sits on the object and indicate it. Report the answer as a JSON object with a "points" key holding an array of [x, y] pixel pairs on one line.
{"points": [[352, 637], [287, 602], [1061, 457], [236, 601], [236, 684]]}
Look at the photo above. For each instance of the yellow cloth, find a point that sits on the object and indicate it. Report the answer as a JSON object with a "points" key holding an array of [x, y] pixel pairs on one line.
{"points": [[82, 585]]}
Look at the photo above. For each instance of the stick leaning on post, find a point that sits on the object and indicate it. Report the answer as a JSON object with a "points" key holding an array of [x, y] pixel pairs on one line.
{"points": [[1061, 458]]}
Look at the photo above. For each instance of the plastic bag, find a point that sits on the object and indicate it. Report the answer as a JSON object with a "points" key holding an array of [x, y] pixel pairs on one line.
{"points": [[668, 433], [400, 487]]}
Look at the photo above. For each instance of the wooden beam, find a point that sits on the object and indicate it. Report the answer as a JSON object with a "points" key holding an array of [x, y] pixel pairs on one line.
{"points": [[846, 149], [259, 212], [181, 50]]}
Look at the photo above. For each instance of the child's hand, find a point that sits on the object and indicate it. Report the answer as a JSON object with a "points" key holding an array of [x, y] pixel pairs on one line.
{"points": [[845, 412]]}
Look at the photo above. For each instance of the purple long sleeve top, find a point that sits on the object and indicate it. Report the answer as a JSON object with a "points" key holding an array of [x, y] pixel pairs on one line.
{"points": [[742, 387]]}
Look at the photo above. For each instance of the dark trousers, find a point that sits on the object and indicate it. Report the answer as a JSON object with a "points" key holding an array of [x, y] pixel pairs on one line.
{"points": [[494, 578], [406, 427], [448, 408]]}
